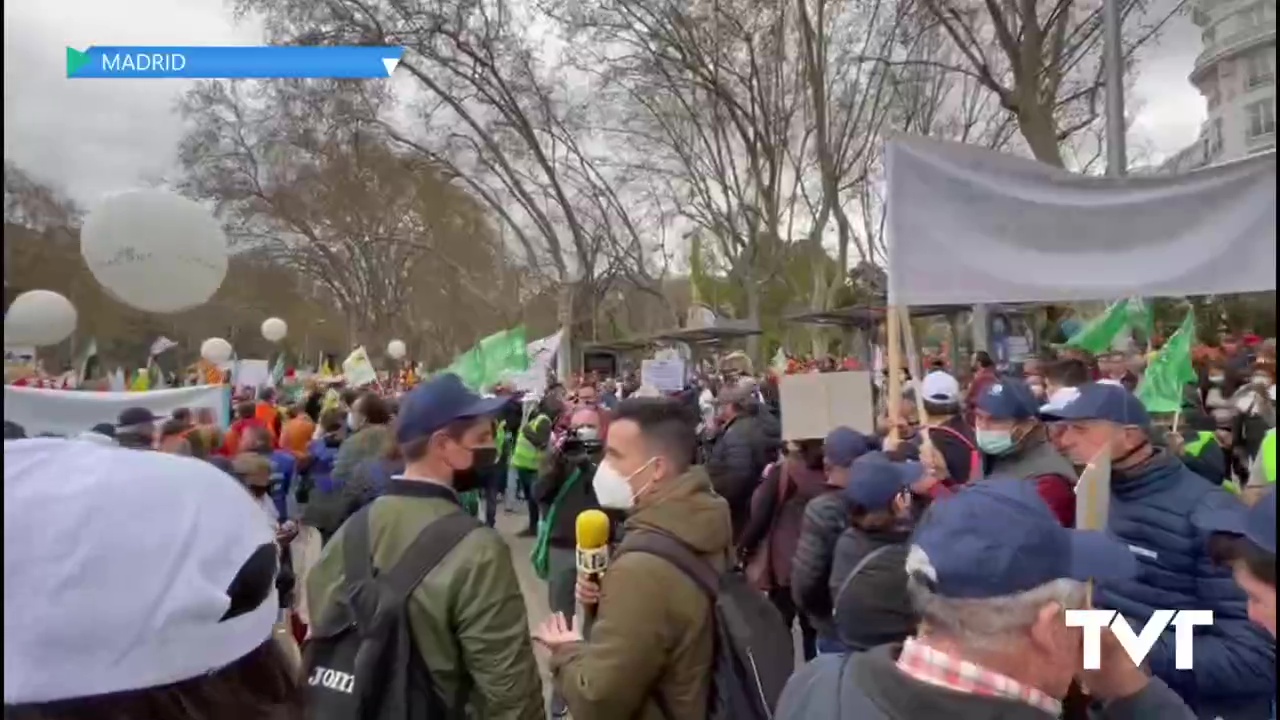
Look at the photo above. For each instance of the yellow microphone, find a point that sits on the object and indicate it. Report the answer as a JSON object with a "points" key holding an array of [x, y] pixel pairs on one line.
{"points": [[592, 533]]}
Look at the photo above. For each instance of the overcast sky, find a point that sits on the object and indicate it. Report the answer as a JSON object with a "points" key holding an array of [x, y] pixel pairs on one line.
{"points": [[92, 137]]}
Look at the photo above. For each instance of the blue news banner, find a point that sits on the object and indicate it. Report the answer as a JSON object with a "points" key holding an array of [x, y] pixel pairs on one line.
{"points": [[234, 62]]}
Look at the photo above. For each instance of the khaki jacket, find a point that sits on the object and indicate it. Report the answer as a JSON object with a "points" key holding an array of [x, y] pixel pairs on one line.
{"points": [[468, 616], [652, 635]]}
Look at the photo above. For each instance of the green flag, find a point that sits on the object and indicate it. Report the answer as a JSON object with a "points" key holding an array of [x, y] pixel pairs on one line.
{"points": [[469, 366], [504, 353], [1141, 318], [1100, 332], [492, 359], [1164, 384]]}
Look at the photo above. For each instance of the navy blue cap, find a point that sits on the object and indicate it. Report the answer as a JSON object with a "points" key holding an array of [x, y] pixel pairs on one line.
{"points": [[1104, 401], [844, 445], [435, 404], [875, 480], [997, 537], [1257, 524], [1009, 399]]}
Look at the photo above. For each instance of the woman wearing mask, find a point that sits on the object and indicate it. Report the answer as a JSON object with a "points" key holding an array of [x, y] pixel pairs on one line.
{"points": [[868, 575]]}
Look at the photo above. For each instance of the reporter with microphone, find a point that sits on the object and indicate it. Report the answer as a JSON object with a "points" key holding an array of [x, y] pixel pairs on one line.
{"points": [[650, 652]]}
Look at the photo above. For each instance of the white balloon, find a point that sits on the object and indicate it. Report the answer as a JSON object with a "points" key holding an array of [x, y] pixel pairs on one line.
{"points": [[274, 329], [39, 317], [216, 350], [154, 250], [396, 349]]}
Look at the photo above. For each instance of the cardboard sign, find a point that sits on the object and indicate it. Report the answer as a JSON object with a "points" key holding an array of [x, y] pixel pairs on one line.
{"points": [[664, 375], [814, 404]]}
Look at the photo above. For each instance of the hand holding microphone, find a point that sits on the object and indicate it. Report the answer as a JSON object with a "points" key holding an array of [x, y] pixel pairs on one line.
{"points": [[592, 533]]}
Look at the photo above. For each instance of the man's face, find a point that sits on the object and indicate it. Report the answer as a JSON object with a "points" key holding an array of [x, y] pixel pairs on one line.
{"points": [[1083, 440], [1261, 596], [587, 395], [984, 421], [630, 456], [459, 452]]}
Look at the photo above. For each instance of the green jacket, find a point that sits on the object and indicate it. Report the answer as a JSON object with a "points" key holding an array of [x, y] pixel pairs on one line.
{"points": [[468, 616], [644, 642]]}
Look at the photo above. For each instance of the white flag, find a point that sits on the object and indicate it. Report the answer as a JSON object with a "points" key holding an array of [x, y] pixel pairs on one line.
{"points": [[358, 370], [162, 344]]}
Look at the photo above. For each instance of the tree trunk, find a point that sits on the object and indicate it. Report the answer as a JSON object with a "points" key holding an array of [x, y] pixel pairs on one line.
{"points": [[1041, 132], [752, 289]]}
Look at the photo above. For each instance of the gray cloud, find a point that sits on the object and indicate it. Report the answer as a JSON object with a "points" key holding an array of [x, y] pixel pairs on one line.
{"points": [[93, 137]]}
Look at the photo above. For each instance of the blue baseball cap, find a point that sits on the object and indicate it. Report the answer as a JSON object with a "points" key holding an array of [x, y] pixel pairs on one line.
{"points": [[997, 537], [875, 480], [844, 445], [1257, 524], [1009, 399], [1104, 401], [435, 404]]}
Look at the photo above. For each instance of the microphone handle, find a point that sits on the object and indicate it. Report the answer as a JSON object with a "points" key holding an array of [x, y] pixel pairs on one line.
{"points": [[585, 614]]}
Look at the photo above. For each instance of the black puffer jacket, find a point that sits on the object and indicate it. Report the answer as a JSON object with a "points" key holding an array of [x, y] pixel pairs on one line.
{"points": [[738, 459], [825, 518], [871, 608]]}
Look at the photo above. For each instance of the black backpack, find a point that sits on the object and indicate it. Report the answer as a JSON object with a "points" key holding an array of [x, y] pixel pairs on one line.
{"points": [[754, 651], [361, 661]]}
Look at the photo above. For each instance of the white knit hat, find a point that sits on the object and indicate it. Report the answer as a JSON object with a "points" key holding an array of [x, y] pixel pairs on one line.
{"points": [[118, 567]]}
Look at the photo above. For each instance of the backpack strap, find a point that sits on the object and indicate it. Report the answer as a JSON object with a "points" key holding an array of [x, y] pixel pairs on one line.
{"points": [[676, 552], [357, 549], [862, 564], [436, 541]]}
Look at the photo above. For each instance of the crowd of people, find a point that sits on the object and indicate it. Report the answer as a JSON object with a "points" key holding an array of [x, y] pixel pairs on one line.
{"points": [[925, 568]]}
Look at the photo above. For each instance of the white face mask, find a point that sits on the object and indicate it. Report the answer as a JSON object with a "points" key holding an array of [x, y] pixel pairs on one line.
{"points": [[1217, 379], [355, 420], [613, 489], [588, 433]]}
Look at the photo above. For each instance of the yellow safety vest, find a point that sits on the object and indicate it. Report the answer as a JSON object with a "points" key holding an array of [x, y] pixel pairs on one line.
{"points": [[525, 456], [1268, 452]]}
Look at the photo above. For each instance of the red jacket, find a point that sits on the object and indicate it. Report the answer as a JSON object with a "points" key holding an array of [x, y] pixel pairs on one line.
{"points": [[1060, 496]]}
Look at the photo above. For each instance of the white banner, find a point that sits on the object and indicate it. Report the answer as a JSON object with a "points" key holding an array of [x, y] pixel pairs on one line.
{"points": [[971, 225], [71, 412]]}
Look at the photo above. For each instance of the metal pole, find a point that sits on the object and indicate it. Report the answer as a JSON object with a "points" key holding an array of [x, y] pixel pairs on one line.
{"points": [[1113, 76]]}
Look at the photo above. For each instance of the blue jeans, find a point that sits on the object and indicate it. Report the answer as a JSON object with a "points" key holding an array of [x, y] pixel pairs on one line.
{"points": [[509, 498], [526, 479]]}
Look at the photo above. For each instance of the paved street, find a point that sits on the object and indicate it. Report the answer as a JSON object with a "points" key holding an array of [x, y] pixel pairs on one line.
{"points": [[535, 590]]}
